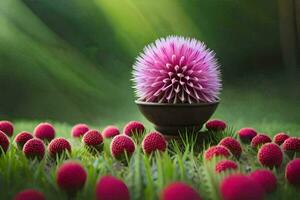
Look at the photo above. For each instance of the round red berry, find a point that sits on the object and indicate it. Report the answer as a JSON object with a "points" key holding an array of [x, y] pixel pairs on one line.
{"points": [[93, 140], [240, 187], [133, 128], [59, 146], [279, 138], [246, 134], [216, 151], [179, 191], [110, 132], [121, 145], [259, 140], [270, 155], [291, 146], [154, 141], [29, 194], [71, 176], [216, 125], [7, 127], [22, 138], [4, 142], [265, 178], [79, 130], [292, 172], [233, 145], [111, 188], [44, 131], [34, 148], [225, 165]]}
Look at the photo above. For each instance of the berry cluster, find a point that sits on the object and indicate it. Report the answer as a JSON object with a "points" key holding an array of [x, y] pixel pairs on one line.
{"points": [[270, 154], [71, 175]]}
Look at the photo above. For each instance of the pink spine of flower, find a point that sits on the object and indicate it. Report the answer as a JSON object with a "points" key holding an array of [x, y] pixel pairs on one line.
{"points": [[177, 70]]}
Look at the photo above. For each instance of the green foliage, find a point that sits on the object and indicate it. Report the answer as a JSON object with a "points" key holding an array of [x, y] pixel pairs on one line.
{"points": [[145, 175]]}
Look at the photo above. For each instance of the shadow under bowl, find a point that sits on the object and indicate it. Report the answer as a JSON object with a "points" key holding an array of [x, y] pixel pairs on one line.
{"points": [[171, 119]]}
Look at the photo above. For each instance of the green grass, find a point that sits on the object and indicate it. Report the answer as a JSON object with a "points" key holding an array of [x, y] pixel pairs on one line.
{"points": [[144, 175]]}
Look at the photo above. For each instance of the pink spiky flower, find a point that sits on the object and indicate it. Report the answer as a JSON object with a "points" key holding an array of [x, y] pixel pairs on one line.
{"points": [[177, 70]]}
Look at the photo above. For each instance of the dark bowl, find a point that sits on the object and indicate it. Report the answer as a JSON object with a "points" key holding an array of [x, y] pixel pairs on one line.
{"points": [[170, 119]]}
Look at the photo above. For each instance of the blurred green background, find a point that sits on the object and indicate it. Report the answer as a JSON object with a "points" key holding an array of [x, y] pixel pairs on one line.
{"points": [[71, 60]]}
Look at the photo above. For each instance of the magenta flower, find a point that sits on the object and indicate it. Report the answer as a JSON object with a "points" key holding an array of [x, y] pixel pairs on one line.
{"points": [[177, 70]]}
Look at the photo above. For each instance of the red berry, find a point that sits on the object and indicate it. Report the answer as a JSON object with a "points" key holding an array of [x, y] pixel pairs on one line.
{"points": [[154, 141], [233, 145], [34, 148], [292, 172], [291, 146], [121, 144], [58, 146], [134, 127], [270, 155], [224, 165], [79, 130], [7, 127], [259, 140], [279, 138], [44, 131], [216, 125], [93, 140], [179, 191], [110, 132], [71, 176], [246, 134], [29, 194], [216, 151], [22, 138], [111, 188], [4, 142], [240, 187], [265, 178]]}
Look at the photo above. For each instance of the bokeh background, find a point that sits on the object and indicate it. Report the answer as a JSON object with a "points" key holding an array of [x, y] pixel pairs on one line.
{"points": [[71, 60]]}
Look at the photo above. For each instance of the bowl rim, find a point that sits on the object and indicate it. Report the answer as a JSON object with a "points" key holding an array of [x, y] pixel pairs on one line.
{"points": [[144, 103]]}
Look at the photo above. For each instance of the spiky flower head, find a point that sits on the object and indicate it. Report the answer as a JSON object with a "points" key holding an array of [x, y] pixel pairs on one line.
{"points": [[177, 70]]}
